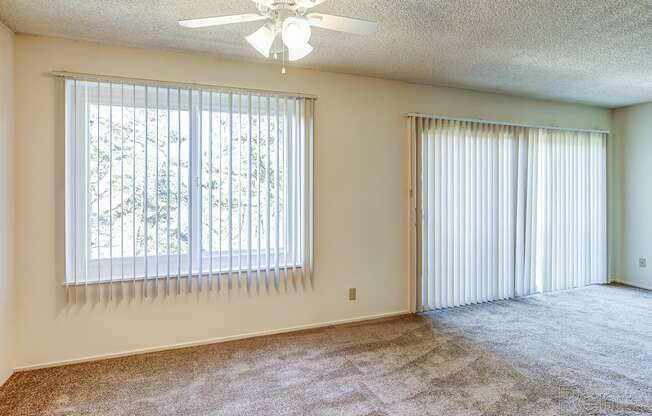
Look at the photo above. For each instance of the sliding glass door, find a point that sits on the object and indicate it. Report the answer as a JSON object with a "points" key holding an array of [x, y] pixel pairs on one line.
{"points": [[504, 211]]}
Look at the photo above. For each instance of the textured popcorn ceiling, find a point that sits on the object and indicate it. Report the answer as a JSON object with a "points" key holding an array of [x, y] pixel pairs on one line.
{"points": [[597, 52]]}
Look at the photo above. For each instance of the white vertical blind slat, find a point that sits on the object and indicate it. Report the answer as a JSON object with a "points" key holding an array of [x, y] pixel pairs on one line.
{"points": [[210, 191], [70, 175], [305, 173], [239, 186], [305, 136], [269, 195], [146, 199], [74, 165], [87, 210], [299, 141], [249, 192], [220, 185], [178, 202], [167, 198], [110, 287], [277, 168], [230, 189], [122, 187], [288, 180], [200, 191], [133, 193], [282, 248], [156, 205], [304, 178], [426, 217], [191, 186], [259, 178], [298, 206], [98, 191], [239, 212]]}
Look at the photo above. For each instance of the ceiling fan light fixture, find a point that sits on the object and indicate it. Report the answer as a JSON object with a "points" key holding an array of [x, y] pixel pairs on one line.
{"points": [[296, 52], [296, 32], [292, 21], [263, 39]]}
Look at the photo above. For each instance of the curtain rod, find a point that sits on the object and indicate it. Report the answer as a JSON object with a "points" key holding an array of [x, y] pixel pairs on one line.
{"points": [[144, 81], [504, 123]]}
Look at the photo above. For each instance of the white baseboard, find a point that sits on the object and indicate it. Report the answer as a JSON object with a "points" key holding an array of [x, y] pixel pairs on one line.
{"points": [[210, 341], [634, 284]]}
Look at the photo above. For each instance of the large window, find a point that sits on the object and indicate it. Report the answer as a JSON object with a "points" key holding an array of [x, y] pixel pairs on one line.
{"points": [[166, 183]]}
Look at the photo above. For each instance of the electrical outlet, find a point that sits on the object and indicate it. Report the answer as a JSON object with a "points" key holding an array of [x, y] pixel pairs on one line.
{"points": [[642, 262], [352, 293]]}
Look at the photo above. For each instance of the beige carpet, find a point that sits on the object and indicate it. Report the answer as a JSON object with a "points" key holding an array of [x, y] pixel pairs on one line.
{"points": [[580, 352]]}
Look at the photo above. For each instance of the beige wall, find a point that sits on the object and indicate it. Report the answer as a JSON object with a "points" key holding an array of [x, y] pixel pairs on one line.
{"points": [[361, 200], [7, 321], [633, 131]]}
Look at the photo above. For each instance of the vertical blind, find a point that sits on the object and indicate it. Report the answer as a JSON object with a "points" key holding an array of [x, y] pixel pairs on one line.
{"points": [[504, 211], [568, 204], [186, 186]]}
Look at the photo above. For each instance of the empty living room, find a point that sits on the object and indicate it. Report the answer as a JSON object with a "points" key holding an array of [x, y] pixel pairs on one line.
{"points": [[325, 207]]}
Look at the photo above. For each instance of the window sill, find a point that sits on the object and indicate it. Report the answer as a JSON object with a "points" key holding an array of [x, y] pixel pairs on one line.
{"points": [[184, 276]]}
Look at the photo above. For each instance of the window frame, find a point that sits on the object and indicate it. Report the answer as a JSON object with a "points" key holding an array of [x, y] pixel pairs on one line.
{"points": [[80, 212]]}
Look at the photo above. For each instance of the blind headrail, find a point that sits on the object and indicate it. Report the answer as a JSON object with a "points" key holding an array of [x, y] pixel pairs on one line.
{"points": [[506, 123], [175, 84]]}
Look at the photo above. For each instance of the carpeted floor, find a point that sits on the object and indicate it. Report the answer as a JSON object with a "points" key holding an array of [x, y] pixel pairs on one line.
{"points": [[581, 352]]}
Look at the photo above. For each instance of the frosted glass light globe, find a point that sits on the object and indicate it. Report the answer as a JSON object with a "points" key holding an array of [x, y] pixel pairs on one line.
{"points": [[296, 32]]}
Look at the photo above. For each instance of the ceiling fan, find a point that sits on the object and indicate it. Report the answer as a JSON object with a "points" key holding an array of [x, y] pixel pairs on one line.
{"points": [[292, 20]]}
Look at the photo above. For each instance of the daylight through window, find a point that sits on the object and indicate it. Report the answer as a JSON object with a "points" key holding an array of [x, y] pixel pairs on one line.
{"points": [[165, 183]]}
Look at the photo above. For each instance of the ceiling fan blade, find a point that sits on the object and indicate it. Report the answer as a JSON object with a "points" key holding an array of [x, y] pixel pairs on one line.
{"points": [[307, 4], [221, 20], [342, 24]]}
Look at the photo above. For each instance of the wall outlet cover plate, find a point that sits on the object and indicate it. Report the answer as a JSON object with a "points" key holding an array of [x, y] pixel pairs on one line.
{"points": [[352, 293]]}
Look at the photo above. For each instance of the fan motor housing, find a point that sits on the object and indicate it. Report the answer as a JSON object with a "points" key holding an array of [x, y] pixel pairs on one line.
{"points": [[291, 5]]}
